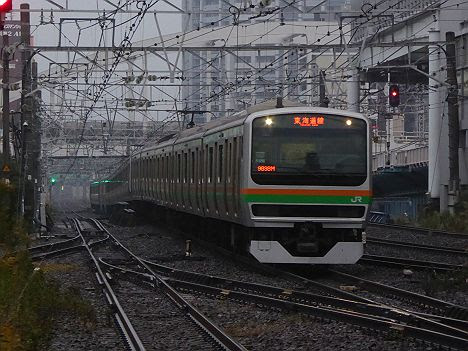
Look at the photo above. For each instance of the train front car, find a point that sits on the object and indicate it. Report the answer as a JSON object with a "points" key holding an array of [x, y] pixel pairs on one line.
{"points": [[307, 187]]}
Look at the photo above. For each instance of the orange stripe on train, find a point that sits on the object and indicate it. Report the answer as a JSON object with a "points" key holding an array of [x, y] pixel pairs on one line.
{"points": [[306, 192]]}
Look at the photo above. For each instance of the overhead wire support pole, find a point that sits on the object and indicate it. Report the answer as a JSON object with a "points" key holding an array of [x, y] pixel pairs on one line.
{"points": [[28, 184], [435, 119], [453, 121], [6, 103]]}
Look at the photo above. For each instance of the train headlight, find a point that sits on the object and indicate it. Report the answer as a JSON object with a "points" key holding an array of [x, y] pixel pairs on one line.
{"points": [[268, 121], [349, 122]]}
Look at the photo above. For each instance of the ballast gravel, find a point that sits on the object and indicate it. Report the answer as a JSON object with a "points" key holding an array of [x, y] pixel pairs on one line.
{"points": [[72, 272], [259, 330]]}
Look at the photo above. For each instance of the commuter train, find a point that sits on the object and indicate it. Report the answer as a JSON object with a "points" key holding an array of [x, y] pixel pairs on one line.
{"points": [[291, 184]]}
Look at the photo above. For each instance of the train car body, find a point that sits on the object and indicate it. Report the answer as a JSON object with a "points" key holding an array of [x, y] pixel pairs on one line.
{"points": [[293, 182]]}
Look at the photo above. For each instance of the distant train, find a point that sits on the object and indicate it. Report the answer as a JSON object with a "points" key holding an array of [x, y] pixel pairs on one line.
{"points": [[289, 184]]}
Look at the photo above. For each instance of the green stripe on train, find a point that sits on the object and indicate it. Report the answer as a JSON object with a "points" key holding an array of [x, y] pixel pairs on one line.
{"points": [[292, 199]]}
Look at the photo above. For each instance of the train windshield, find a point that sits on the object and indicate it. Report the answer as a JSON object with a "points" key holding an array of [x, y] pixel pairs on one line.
{"points": [[309, 149]]}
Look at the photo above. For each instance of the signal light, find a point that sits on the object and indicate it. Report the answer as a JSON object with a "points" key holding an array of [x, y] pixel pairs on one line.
{"points": [[394, 95], [6, 5], [53, 180]]}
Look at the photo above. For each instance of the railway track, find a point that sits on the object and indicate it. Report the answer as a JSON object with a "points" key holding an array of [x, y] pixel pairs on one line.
{"points": [[197, 319], [128, 331], [373, 316], [428, 231], [347, 308], [399, 262], [439, 306], [447, 329], [429, 248]]}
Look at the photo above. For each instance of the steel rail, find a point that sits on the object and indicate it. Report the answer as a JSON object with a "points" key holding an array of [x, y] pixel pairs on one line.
{"points": [[409, 263], [270, 270], [447, 308], [420, 230], [212, 330], [62, 251], [372, 240], [124, 323], [376, 310], [56, 253], [55, 245], [443, 306], [456, 340]]}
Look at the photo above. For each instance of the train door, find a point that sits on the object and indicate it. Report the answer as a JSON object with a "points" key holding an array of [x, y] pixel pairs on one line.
{"points": [[204, 179], [170, 177], [152, 168], [219, 181], [185, 184], [190, 176], [211, 180], [225, 164], [164, 179], [156, 177], [238, 161], [199, 178], [235, 175], [179, 198]]}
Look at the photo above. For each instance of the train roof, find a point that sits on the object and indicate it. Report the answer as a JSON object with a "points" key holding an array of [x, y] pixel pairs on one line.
{"points": [[231, 119]]}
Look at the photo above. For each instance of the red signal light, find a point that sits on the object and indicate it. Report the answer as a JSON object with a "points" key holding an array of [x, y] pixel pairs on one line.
{"points": [[6, 5], [394, 96]]}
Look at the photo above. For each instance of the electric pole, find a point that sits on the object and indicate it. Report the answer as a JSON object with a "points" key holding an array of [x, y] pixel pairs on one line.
{"points": [[324, 101], [6, 103], [27, 120], [453, 122]]}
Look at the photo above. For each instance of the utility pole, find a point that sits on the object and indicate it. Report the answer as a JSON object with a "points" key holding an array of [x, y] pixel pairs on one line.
{"points": [[435, 119], [6, 103], [352, 87], [453, 122], [324, 101], [27, 120], [36, 142]]}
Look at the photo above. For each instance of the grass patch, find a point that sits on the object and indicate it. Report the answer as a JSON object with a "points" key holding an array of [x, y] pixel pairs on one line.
{"points": [[29, 302], [456, 222]]}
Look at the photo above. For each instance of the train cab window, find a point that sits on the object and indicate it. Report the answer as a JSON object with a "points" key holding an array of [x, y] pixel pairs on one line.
{"points": [[309, 149], [210, 164], [220, 163]]}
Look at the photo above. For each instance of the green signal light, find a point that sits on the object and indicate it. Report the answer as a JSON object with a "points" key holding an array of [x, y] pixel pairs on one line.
{"points": [[53, 180]]}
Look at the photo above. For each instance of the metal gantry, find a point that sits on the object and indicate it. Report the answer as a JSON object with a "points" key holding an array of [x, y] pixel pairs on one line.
{"points": [[120, 76]]}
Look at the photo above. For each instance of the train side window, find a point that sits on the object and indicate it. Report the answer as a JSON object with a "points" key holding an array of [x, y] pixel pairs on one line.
{"points": [[220, 163], [179, 170], [210, 164], [160, 168], [156, 171], [192, 176], [161, 165], [185, 167]]}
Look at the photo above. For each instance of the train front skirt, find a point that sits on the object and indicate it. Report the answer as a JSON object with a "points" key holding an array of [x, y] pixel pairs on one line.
{"points": [[267, 251]]}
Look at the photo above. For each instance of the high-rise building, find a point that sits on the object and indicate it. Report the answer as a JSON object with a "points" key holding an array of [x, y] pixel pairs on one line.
{"points": [[216, 80]]}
